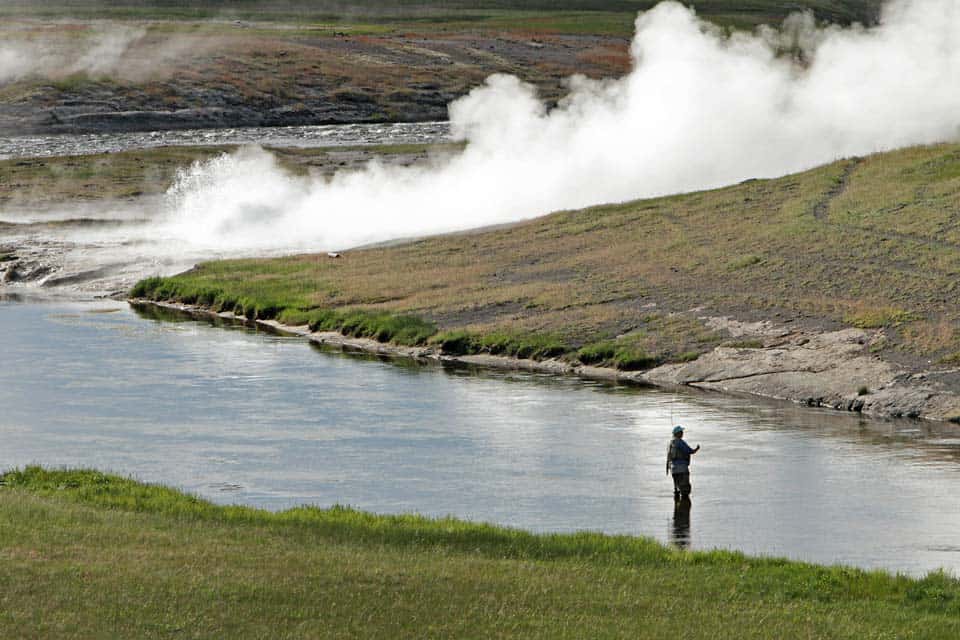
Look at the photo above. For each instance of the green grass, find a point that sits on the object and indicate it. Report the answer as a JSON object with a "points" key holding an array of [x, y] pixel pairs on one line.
{"points": [[502, 343], [90, 555], [609, 353]]}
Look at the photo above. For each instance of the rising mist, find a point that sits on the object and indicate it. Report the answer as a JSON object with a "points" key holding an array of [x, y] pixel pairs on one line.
{"points": [[700, 109]]}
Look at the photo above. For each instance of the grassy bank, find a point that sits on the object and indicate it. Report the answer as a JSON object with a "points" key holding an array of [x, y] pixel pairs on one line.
{"points": [[91, 555], [871, 242]]}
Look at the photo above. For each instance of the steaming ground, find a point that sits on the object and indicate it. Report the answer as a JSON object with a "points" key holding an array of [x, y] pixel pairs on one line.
{"points": [[84, 225], [699, 110]]}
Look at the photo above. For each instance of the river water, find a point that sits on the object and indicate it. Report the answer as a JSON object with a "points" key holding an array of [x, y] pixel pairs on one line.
{"points": [[240, 416], [313, 136]]}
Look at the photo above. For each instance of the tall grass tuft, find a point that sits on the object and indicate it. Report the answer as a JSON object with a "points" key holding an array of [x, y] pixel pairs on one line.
{"points": [[534, 346]]}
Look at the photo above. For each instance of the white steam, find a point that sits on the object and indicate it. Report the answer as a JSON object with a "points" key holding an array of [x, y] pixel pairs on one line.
{"points": [[700, 109], [103, 51]]}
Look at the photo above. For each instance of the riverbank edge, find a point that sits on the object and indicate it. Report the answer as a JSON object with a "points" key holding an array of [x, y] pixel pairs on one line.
{"points": [[335, 340], [832, 370]]}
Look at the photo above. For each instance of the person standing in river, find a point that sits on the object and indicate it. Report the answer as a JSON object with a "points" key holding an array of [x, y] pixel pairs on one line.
{"points": [[678, 464]]}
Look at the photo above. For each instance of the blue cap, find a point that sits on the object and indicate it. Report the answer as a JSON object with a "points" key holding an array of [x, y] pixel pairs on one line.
{"points": [[677, 430]]}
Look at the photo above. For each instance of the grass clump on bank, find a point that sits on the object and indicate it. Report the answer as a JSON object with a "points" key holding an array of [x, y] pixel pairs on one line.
{"points": [[532, 346], [381, 326], [88, 554], [360, 323], [609, 353]]}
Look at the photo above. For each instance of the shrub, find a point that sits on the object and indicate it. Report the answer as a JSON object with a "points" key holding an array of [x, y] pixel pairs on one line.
{"points": [[455, 343], [597, 352], [624, 358], [146, 287], [627, 360]]}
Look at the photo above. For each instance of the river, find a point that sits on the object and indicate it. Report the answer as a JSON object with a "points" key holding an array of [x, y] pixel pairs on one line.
{"points": [[314, 136], [240, 416]]}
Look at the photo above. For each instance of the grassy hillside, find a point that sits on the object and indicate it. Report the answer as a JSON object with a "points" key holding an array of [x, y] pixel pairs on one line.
{"points": [[872, 242], [179, 64], [87, 555], [738, 12]]}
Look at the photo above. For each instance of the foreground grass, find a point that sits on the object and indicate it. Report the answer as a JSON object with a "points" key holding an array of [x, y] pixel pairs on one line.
{"points": [[86, 554], [871, 242]]}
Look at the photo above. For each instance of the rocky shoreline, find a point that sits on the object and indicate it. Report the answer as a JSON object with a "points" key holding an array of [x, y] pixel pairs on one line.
{"points": [[832, 369]]}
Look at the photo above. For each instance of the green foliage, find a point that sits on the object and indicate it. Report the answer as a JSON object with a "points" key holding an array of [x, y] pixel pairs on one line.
{"points": [[384, 327], [936, 591], [146, 287], [597, 353], [634, 360], [534, 346], [623, 357], [267, 303], [455, 343]]}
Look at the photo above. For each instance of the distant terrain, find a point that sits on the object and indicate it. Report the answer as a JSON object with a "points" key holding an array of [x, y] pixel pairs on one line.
{"points": [[84, 66]]}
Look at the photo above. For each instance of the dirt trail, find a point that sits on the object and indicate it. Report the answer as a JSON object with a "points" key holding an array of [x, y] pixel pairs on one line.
{"points": [[822, 208]]}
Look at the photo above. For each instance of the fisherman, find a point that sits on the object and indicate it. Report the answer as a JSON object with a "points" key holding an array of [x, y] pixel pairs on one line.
{"points": [[678, 463]]}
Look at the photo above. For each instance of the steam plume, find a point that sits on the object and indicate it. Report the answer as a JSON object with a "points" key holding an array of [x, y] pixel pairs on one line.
{"points": [[700, 109], [103, 52]]}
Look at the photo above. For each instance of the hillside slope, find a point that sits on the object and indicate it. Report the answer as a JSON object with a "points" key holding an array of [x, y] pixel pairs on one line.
{"points": [[174, 65], [870, 244]]}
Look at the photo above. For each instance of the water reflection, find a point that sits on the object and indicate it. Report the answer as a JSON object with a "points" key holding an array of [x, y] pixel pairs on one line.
{"points": [[680, 525]]}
